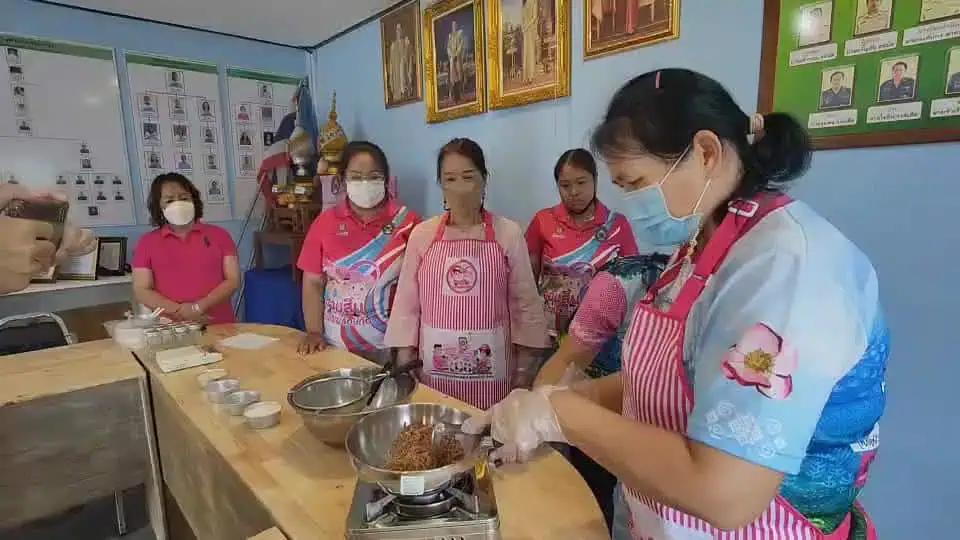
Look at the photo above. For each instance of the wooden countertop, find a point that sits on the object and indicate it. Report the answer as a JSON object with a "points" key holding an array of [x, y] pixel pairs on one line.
{"points": [[36, 374], [67, 284], [307, 487], [270, 534]]}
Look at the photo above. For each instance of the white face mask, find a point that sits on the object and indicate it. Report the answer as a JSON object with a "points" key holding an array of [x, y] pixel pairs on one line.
{"points": [[366, 193], [179, 213]]}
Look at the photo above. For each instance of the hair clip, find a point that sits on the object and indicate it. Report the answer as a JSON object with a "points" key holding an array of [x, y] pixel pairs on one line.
{"points": [[656, 81]]}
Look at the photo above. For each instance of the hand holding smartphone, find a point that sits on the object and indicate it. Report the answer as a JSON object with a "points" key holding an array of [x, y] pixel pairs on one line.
{"points": [[45, 210]]}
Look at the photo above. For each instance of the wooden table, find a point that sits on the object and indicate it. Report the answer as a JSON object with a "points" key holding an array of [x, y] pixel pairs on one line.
{"points": [[231, 482], [74, 427], [272, 533]]}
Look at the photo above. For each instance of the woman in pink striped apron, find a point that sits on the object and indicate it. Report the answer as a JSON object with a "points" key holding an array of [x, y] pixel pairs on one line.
{"points": [[753, 370], [569, 241], [467, 303]]}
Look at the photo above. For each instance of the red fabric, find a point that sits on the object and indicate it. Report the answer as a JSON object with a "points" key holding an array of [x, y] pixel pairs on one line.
{"points": [[275, 158]]}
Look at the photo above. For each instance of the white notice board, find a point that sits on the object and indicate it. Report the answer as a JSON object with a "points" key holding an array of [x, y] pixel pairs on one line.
{"points": [[61, 127], [177, 124], [258, 102]]}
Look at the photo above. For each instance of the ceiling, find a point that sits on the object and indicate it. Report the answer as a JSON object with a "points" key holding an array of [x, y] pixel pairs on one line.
{"points": [[300, 23]]}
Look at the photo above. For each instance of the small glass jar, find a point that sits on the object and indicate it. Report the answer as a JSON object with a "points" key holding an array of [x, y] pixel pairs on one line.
{"points": [[196, 332], [167, 338], [181, 336], [153, 340]]}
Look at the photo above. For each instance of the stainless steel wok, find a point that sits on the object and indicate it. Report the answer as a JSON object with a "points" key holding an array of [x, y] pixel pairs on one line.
{"points": [[369, 441]]}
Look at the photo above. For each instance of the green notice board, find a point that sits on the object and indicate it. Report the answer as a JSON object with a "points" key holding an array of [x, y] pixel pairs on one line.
{"points": [[864, 72]]}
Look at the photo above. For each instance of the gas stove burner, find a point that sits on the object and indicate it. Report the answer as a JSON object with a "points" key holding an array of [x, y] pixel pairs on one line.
{"points": [[465, 510]]}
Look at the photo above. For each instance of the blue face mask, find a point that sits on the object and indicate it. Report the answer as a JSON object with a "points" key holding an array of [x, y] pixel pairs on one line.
{"points": [[653, 226]]}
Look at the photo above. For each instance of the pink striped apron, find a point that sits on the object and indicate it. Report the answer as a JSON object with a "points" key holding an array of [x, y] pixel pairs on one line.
{"points": [[656, 392], [465, 318]]}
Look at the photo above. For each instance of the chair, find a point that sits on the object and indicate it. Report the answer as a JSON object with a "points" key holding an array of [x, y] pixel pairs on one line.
{"points": [[32, 332], [35, 332]]}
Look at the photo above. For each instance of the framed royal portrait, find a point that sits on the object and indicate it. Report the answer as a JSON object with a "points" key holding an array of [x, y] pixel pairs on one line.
{"points": [[453, 58], [613, 26], [401, 53], [528, 51]]}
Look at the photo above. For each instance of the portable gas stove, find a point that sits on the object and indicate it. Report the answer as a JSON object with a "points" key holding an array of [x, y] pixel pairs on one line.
{"points": [[466, 510]]}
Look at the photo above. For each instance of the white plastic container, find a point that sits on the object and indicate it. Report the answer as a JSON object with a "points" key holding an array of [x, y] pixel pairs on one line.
{"points": [[262, 415]]}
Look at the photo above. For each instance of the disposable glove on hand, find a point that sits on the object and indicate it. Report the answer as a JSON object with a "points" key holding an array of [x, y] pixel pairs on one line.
{"points": [[522, 422]]}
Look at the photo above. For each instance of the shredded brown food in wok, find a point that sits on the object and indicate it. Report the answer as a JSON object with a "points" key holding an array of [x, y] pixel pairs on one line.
{"points": [[413, 450]]}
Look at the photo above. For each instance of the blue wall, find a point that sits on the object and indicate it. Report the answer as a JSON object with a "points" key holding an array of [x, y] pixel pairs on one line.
{"points": [[876, 196], [55, 22]]}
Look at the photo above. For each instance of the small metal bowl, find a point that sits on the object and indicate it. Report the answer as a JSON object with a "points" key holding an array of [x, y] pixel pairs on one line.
{"points": [[209, 375], [236, 402], [217, 391], [262, 415]]}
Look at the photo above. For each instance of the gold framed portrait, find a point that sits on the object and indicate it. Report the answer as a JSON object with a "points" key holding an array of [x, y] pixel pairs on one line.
{"points": [[613, 26], [453, 58], [400, 51], [528, 51]]}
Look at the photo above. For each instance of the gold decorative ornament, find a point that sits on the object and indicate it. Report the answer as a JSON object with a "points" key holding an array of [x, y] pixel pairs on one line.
{"points": [[332, 141]]}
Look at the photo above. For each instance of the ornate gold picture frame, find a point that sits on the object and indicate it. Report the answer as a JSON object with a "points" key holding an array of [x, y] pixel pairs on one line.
{"points": [[528, 51], [453, 59], [400, 53], [613, 26]]}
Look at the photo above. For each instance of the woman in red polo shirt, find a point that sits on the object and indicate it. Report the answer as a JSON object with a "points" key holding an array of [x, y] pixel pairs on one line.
{"points": [[569, 241], [185, 266], [351, 259]]}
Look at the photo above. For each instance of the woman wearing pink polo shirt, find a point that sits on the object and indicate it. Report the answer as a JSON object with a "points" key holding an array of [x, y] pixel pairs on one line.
{"points": [[351, 259], [467, 302], [569, 241], [185, 266]]}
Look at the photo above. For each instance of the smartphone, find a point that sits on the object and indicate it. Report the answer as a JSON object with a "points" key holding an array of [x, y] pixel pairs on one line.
{"points": [[49, 211]]}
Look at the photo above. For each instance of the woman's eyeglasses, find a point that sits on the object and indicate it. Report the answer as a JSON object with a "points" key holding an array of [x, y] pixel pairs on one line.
{"points": [[374, 177]]}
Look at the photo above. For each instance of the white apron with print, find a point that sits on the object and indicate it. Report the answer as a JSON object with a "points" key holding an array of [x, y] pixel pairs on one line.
{"points": [[464, 317]]}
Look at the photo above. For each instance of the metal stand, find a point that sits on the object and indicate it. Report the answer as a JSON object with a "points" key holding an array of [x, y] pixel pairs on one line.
{"points": [[243, 232], [121, 517]]}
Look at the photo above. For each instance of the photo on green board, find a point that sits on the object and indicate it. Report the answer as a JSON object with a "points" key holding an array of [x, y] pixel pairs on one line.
{"points": [[953, 72], [934, 10], [816, 23], [836, 87], [873, 16], [898, 79]]}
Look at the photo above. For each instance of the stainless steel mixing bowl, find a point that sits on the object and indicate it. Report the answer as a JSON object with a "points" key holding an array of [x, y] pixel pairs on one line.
{"points": [[370, 439], [331, 426]]}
